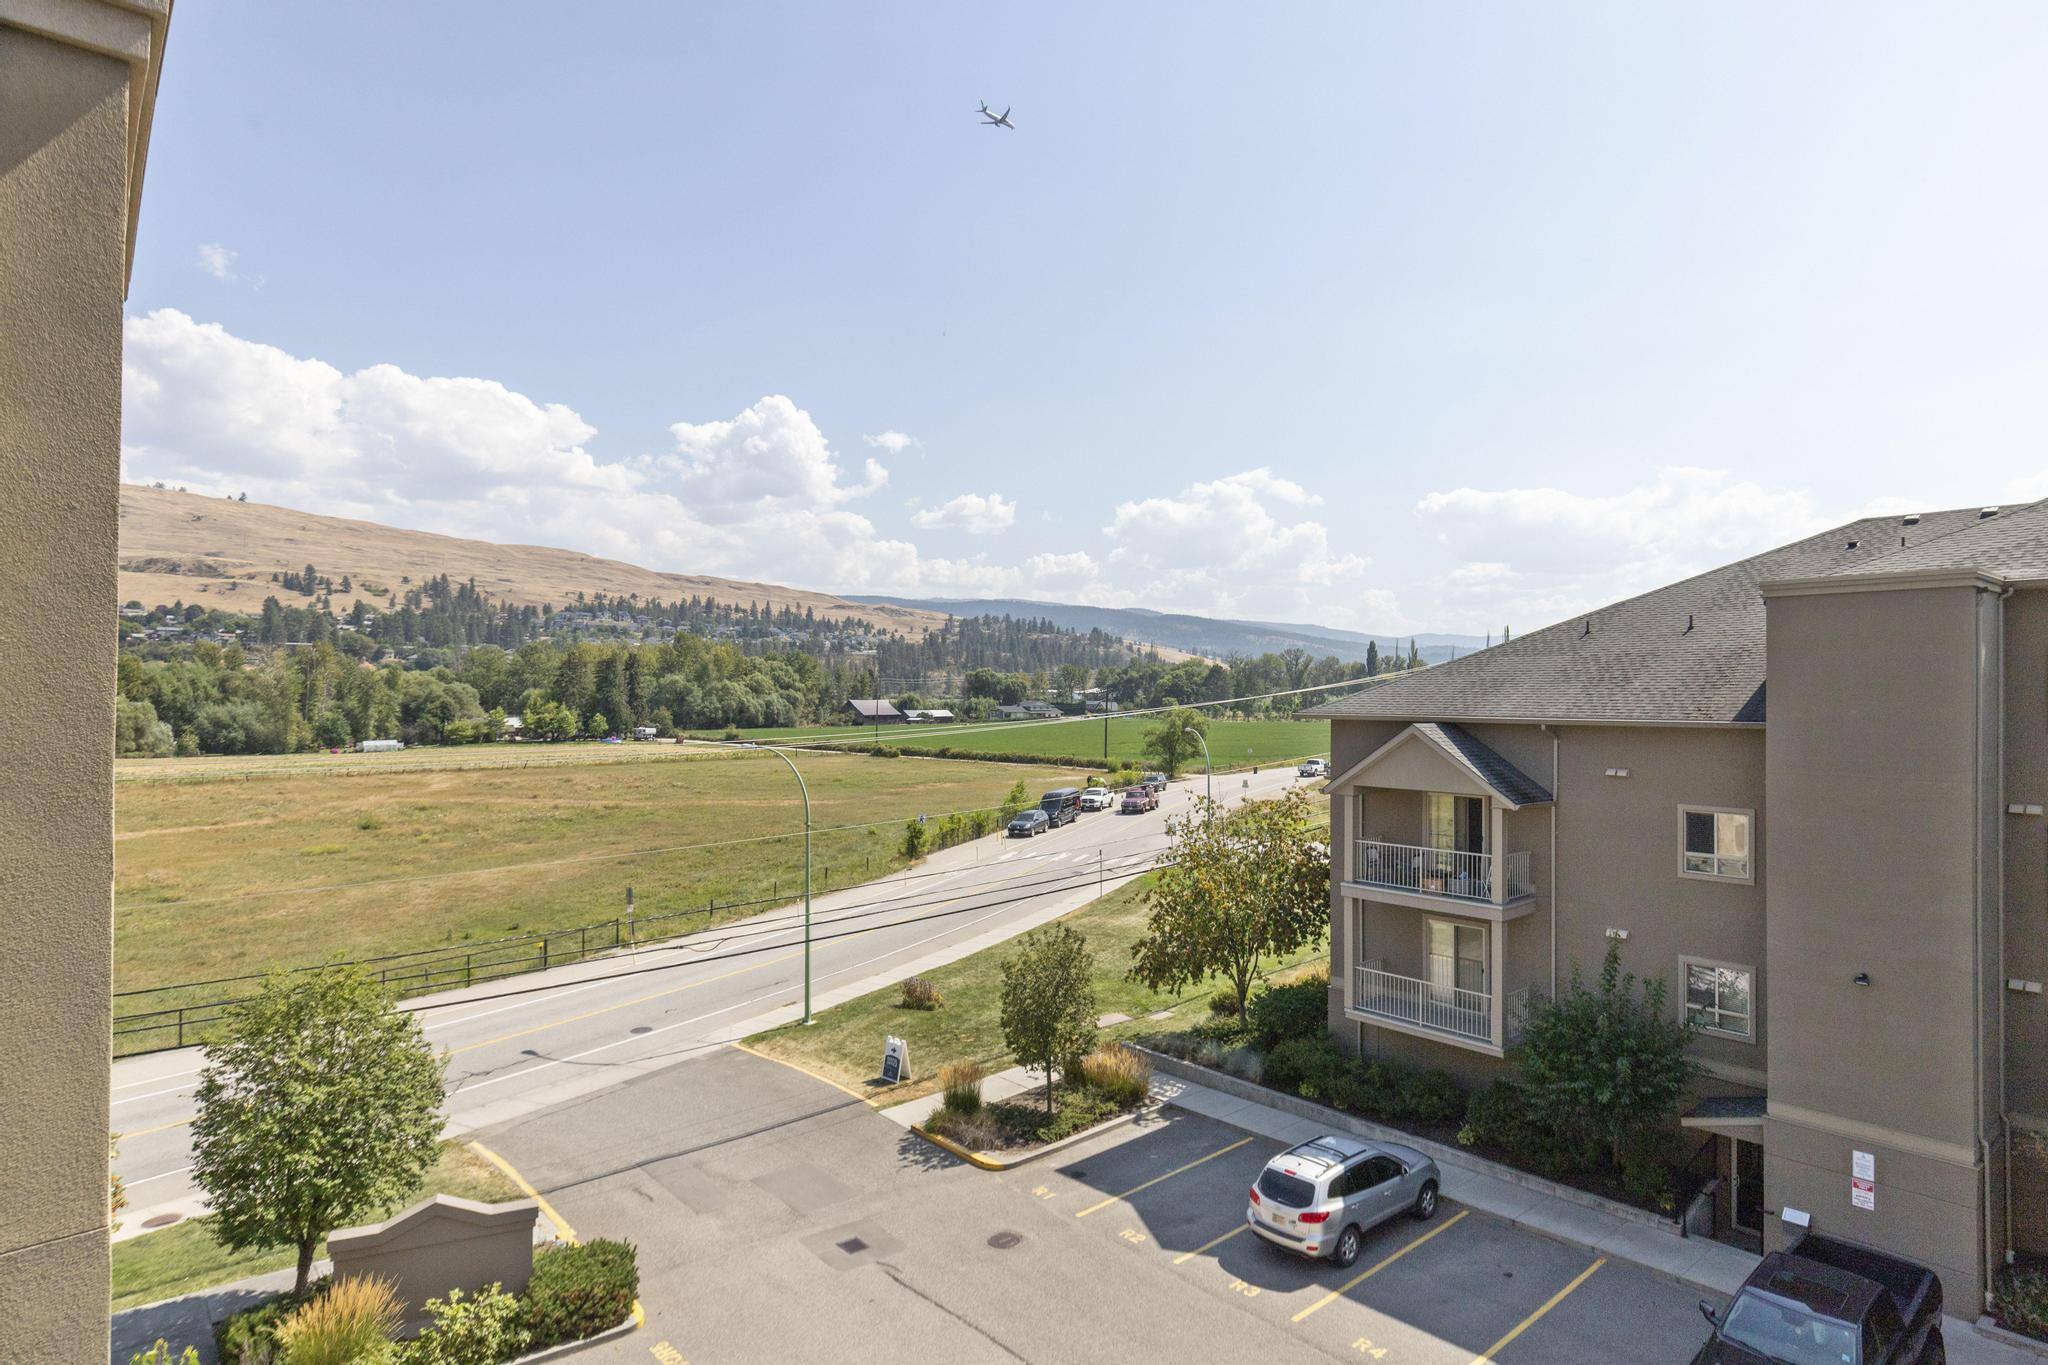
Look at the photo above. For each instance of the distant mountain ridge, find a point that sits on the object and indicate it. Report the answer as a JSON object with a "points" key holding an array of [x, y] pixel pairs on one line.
{"points": [[1216, 637]]}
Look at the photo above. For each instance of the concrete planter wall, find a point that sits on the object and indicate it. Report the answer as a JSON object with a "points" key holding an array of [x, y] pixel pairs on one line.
{"points": [[1340, 1122], [440, 1244]]}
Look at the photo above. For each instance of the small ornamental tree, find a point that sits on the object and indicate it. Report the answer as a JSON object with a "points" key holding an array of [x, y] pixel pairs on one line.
{"points": [[1604, 1061], [322, 1104], [1048, 1010], [1173, 742], [1235, 887]]}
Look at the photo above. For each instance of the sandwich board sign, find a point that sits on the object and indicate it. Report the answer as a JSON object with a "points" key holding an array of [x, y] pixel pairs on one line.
{"points": [[895, 1060]]}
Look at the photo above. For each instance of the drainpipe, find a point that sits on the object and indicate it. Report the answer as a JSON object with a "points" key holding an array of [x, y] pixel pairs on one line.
{"points": [[2004, 1109]]}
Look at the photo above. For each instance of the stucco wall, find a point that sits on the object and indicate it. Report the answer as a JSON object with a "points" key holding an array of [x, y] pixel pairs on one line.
{"points": [[63, 228], [1875, 761], [2026, 906]]}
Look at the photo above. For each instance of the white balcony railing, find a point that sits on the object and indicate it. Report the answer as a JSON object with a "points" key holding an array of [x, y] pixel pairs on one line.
{"points": [[1437, 871], [1446, 1009]]}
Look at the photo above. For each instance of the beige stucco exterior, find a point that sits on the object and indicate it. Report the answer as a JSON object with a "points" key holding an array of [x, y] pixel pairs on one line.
{"points": [[78, 85], [1894, 798]]}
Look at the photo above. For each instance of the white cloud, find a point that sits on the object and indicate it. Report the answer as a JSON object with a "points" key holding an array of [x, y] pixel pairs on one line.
{"points": [[761, 494], [895, 442], [1536, 555], [970, 512], [217, 260]]}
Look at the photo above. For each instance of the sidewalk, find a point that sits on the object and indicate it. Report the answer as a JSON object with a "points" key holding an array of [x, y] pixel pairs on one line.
{"points": [[1710, 1265]]}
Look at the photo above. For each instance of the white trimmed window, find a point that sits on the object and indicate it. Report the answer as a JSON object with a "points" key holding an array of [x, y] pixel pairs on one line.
{"points": [[1719, 996], [1714, 841]]}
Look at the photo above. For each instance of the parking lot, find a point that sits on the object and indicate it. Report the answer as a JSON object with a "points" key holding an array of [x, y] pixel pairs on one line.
{"points": [[779, 1219]]}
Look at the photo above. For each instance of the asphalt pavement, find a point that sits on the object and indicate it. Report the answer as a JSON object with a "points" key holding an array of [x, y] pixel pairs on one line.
{"points": [[522, 1044]]}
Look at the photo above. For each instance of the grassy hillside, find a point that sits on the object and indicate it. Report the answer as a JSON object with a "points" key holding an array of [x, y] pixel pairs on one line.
{"points": [[185, 547], [230, 866]]}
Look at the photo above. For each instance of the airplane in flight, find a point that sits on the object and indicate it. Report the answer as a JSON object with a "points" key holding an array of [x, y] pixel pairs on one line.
{"points": [[991, 119]]}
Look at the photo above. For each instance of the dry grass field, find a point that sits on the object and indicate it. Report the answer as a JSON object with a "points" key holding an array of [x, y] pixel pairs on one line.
{"points": [[228, 866]]}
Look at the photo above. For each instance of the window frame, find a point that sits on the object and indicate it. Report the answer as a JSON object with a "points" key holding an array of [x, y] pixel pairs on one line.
{"points": [[1685, 1005], [1748, 876]]}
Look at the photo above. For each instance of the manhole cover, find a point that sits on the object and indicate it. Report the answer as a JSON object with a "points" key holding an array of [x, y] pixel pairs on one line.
{"points": [[643, 1029], [162, 1220], [1003, 1241], [853, 1246]]}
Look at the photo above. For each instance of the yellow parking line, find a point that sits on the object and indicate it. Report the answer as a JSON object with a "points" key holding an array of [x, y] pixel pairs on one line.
{"points": [[1526, 1323], [1190, 1255], [623, 1004], [1341, 1290], [1157, 1178], [160, 1128], [638, 1314]]}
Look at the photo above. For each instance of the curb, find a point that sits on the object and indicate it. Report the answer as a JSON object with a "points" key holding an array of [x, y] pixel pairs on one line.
{"points": [[1239, 1088], [2005, 1336], [987, 1162], [570, 1348]]}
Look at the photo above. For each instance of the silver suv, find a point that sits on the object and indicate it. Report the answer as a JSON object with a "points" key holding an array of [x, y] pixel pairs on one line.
{"points": [[1322, 1197]]}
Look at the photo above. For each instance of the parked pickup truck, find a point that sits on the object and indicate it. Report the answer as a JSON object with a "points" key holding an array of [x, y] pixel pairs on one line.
{"points": [[1824, 1302]]}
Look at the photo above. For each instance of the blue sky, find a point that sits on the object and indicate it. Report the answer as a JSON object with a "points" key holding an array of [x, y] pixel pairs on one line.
{"points": [[1395, 317]]}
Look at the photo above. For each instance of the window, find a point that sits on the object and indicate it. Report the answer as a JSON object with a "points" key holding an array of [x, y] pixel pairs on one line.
{"points": [[1714, 842], [1718, 996]]}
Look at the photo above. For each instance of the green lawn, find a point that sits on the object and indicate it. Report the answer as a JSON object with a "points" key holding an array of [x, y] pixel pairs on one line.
{"points": [[1232, 743], [226, 871], [845, 1043], [182, 1258]]}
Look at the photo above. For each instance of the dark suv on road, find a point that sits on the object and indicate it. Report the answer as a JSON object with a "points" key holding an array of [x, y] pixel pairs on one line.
{"points": [[1062, 805]]}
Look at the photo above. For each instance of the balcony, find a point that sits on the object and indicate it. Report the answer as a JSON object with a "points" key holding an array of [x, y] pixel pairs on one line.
{"points": [[1433, 1008], [1440, 872]]}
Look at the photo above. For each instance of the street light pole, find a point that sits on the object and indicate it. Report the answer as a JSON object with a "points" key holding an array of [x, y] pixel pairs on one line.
{"points": [[805, 789], [1208, 769]]}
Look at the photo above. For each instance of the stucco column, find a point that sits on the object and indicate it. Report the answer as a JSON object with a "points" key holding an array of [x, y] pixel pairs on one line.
{"points": [[77, 80], [1497, 859]]}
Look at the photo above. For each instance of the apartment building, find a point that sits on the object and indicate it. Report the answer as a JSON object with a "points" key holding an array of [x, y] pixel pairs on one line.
{"points": [[1806, 790]]}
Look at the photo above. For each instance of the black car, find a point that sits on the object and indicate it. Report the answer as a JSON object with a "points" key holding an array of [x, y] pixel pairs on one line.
{"points": [[1826, 1302], [1026, 823], [1062, 805]]}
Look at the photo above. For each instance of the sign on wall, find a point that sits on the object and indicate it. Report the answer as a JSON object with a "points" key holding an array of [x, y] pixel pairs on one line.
{"points": [[1863, 1180]]}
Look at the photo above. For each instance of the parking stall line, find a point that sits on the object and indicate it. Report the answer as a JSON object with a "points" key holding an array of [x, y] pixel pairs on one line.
{"points": [[1486, 1357], [1341, 1290], [1213, 1241], [1135, 1189]]}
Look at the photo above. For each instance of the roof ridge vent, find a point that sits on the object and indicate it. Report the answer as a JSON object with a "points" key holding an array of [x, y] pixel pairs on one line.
{"points": [[1911, 520], [1987, 512]]}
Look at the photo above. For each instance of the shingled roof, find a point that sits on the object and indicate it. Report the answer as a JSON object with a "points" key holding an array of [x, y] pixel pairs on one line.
{"points": [[1691, 652]]}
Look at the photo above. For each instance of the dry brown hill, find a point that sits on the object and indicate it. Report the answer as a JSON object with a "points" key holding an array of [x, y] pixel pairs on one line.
{"points": [[185, 547]]}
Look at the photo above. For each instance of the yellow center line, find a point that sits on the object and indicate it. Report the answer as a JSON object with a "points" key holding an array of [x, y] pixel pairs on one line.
{"points": [[1526, 1323], [1157, 1178], [1190, 1255], [1341, 1290]]}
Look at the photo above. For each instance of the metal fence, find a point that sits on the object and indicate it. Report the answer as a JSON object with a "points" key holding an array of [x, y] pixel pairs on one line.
{"points": [[158, 1018]]}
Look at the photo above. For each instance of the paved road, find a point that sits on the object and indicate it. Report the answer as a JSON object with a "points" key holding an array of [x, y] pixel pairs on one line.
{"points": [[578, 1029], [779, 1219]]}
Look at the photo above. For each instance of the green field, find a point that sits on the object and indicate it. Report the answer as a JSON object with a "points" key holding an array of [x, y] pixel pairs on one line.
{"points": [[844, 1044], [1232, 743], [231, 866]]}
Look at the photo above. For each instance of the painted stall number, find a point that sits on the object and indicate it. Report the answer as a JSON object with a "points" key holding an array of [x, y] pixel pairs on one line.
{"points": [[1250, 1291], [1131, 1235], [1365, 1347], [666, 1354], [1042, 1192]]}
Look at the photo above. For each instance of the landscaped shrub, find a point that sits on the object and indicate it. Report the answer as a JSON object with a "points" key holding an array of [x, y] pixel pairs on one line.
{"points": [[1647, 1166], [1299, 1009], [478, 1330], [1427, 1096], [1498, 1120], [975, 1131], [916, 839], [1223, 1003], [1495, 1117], [353, 1323], [885, 751], [1118, 1072], [1303, 1060], [250, 1336], [579, 1291], [962, 1083], [1227, 1029], [160, 1354], [920, 994], [2020, 1300]]}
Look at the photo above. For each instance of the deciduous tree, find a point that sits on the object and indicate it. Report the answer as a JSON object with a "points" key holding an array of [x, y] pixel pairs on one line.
{"points": [[1235, 887], [1048, 1007], [320, 1105], [1173, 741]]}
